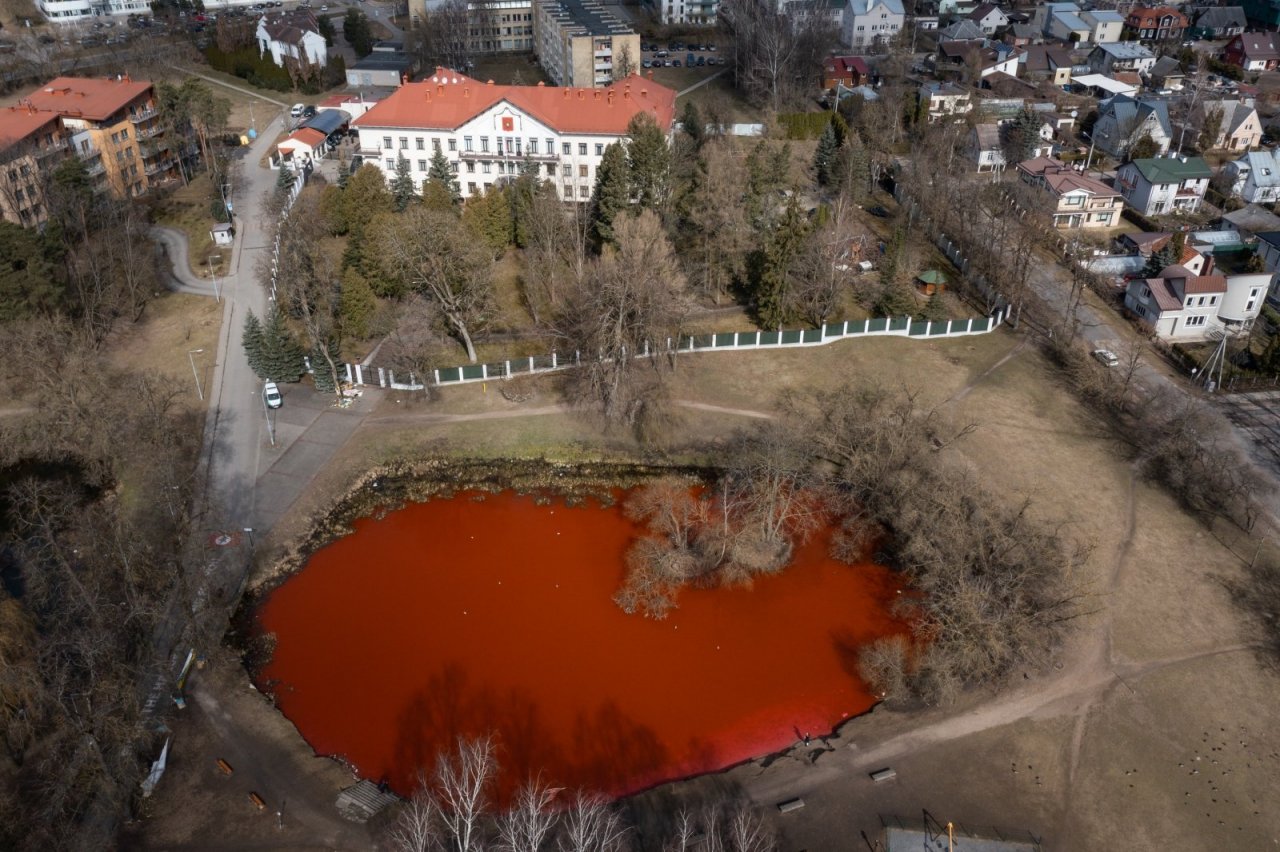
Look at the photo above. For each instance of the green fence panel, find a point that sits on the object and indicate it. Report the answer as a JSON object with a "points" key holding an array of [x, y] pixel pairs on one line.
{"points": [[472, 371], [769, 338], [899, 323], [833, 329], [748, 338], [878, 324], [917, 329], [980, 325], [938, 328], [812, 335], [703, 341], [449, 374], [520, 365], [725, 339], [791, 336]]}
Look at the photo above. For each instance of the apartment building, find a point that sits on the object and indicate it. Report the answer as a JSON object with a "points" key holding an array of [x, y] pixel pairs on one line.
{"points": [[73, 11], [684, 11], [32, 142], [581, 45], [490, 133], [113, 125]]}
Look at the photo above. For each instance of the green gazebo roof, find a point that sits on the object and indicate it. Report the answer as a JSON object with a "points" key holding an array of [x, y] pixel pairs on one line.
{"points": [[932, 276]]}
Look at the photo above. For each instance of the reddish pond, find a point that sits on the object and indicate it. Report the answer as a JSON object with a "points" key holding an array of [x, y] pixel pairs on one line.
{"points": [[471, 615]]}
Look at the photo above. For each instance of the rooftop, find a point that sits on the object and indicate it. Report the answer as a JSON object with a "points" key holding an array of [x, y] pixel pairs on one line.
{"points": [[22, 122], [1125, 50], [1159, 170], [94, 98], [448, 99], [586, 15]]}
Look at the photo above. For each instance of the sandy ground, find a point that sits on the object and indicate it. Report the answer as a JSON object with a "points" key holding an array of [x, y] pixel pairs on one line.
{"points": [[1114, 747]]}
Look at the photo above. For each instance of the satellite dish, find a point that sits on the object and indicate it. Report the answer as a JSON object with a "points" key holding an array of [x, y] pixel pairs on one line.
{"points": [[1074, 113]]}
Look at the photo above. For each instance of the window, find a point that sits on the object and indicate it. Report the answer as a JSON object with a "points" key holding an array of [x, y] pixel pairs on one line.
{"points": [[584, 192], [551, 145], [471, 167], [568, 191], [417, 143], [471, 188], [566, 149], [502, 167], [466, 143], [486, 167], [1201, 302], [1213, 300], [404, 143], [582, 171], [599, 149], [1195, 321], [453, 144], [484, 143], [422, 165], [567, 170], [453, 168], [386, 142], [1249, 306], [391, 164], [582, 149], [551, 170], [1103, 218], [533, 146], [124, 135], [1253, 294]]}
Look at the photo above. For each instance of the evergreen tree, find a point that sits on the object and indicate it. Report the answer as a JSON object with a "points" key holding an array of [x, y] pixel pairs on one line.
{"points": [[344, 172], [282, 357], [934, 309], [824, 158], [402, 189], [895, 300], [649, 156], [853, 170], [358, 305], [355, 26], [773, 284], [1021, 136], [440, 177], [889, 259], [694, 125], [320, 372], [285, 179], [252, 340], [488, 218], [611, 196]]}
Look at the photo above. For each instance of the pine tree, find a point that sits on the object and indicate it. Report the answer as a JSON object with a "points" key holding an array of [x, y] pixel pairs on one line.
{"points": [[935, 310], [440, 173], [284, 180], [612, 195], [252, 339], [773, 285], [895, 300], [402, 189], [693, 124], [649, 156], [358, 305], [488, 218], [344, 172], [281, 355], [320, 371], [824, 158]]}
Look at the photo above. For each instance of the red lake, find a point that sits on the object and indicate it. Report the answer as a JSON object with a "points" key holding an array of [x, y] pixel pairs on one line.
{"points": [[492, 613]]}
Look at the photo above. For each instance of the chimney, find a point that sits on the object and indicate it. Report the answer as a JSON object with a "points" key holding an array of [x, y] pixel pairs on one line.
{"points": [[466, 91], [440, 88], [542, 84], [566, 93], [580, 94], [1208, 264], [596, 94], [489, 83], [644, 93]]}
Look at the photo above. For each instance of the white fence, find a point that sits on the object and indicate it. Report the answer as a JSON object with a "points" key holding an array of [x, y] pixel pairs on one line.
{"points": [[738, 341]]}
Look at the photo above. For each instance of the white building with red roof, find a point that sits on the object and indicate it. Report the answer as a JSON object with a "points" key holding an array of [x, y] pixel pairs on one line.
{"points": [[1182, 305], [489, 132]]}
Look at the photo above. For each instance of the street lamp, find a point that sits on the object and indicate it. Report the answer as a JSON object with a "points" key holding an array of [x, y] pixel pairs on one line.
{"points": [[191, 353], [271, 428], [213, 272]]}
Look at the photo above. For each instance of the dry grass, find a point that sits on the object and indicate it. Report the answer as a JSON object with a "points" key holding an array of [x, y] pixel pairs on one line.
{"points": [[187, 209], [174, 324], [721, 94], [507, 69]]}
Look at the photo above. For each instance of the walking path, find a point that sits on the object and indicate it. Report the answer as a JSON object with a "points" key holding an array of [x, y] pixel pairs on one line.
{"points": [[704, 81], [227, 85]]}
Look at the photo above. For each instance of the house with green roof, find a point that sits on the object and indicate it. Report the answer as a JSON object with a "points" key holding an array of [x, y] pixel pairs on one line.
{"points": [[1163, 185]]}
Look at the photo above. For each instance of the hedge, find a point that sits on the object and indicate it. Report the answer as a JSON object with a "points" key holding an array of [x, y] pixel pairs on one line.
{"points": [[809, 125]]}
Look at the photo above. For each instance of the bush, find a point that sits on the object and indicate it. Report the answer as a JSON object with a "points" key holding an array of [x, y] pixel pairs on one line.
{"points": [[809, 125], [246, 64]]}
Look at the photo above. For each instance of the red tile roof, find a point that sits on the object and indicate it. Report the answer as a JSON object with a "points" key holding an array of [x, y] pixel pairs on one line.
{"points": [[308, 136], [95, 98], [21, 122], [448, 99], [1164, 294], [846, 64], [1198, 284]]}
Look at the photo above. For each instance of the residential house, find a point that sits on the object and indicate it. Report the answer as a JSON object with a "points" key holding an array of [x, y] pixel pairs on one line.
{"points": [[1001, 59], [113, 124], [1062, 21], [1181, 305], [989, 18], [1079, 201], [868, 22], [959, 52], [1106, 25], [292, 36], [1023, 35], [385, 69], [1123, 120], [302, 149], [1155, 23], [1220, 22], [1253, 51], [1255, 177], [1166, 74], [32, 143], [580, 43], [986, 147], [1162, 185], [1121, 56], [962, 30], [1250, 220], [945, 100], [1046, 62], [1268, 248], [1239, 127], [491, 134], [848, 71]]}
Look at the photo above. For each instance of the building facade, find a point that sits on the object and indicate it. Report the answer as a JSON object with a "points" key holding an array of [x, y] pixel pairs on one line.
{"points": [[292, 36], [1158, 23], [113, 124], [32, 143], [490, 134], [685, 11], [581, 44], [1163, 185], [1078, 201], [869, 22]]}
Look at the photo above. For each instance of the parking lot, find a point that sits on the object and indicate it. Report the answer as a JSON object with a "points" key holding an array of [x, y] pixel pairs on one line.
{"points": [[678, 54]]}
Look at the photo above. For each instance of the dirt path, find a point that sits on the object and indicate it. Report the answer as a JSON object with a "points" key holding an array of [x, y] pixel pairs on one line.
{"points": [[540, 411]]}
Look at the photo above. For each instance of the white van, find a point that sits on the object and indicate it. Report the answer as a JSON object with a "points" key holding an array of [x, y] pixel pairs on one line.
{"points": [[296, 112]]}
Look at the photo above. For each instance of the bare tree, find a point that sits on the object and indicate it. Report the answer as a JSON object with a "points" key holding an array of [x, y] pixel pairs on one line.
{"points": [[592, 824], [463, 779], [529, 823], [417, 827]]}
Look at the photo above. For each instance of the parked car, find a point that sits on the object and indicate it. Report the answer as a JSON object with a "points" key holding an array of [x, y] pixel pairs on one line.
{"points": [[271, 395], [296, 112], [308, 111], [688, 60], [702, 61], [1106, 357], [675, 63]]}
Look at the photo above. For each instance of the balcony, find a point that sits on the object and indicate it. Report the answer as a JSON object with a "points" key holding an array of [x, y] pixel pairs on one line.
{"points": [[495, 155], [157, 167], [150, 131], [603, 53], [143, 115], [95, 168], [56, 147], [153, 149]]}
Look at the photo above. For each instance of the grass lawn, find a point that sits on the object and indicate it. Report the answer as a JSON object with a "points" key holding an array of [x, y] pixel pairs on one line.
{"points": [[187, 209], [174, 325], [722, 96]]}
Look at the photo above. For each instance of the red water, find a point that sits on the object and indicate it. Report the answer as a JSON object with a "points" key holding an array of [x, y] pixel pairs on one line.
{"points": [[466, 616]]}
